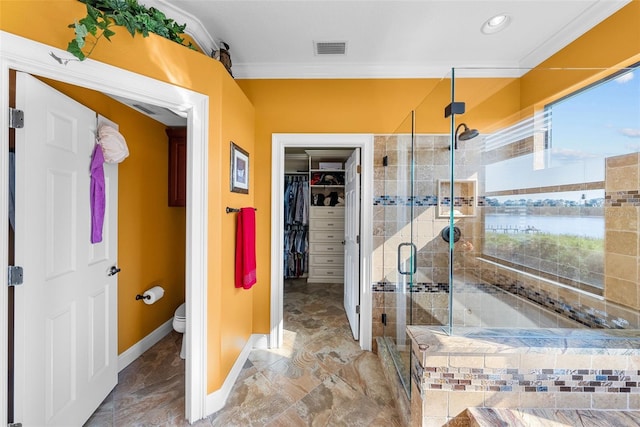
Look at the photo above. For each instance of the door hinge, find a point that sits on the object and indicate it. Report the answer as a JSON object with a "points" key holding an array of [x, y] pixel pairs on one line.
{"points": [[357, 309], [358, 169], [358, 239], [14, 275], [16, 118], [384, 319]]}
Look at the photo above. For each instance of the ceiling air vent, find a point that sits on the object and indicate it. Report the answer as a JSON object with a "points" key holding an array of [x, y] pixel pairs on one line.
{"points": [[330, 48]]}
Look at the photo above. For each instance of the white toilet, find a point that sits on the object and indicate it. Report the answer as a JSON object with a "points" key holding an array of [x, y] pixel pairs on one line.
{"points": [[180, 325]]}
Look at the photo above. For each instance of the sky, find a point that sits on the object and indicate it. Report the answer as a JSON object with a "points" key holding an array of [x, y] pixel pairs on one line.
{"points": [[600, 121]]}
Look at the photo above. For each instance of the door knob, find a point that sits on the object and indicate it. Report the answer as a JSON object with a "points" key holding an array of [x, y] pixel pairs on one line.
{"points": [[113, 271]]}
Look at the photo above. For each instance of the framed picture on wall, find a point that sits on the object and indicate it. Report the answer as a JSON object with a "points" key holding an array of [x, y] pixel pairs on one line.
{"points": [[239, 169]]}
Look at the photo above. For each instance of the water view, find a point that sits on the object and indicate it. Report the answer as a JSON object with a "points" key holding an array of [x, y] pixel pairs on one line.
{"points": [[568, 225]]}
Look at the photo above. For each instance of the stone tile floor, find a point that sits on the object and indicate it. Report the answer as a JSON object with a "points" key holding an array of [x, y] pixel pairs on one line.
{"points": [[319, 376]]}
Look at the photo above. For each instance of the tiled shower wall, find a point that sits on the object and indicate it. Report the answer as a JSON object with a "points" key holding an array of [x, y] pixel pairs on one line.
{"points": [[391, 227], [392, 200], [622, 218]]}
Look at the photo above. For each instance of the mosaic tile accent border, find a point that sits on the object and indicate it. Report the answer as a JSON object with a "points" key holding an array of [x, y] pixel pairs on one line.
{"points": [[458, 201], [622, 198], [417, 372], [405, 201], [431, 200], [531, 380], [420, 287], [428, 287], [583, 314]]}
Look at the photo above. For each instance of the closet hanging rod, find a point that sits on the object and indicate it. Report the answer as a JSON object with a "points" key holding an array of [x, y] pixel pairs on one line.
{"points": [[229, 210]]}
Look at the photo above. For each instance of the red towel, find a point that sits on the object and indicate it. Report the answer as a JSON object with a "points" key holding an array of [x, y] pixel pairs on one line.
{"points": [[246, 249]]}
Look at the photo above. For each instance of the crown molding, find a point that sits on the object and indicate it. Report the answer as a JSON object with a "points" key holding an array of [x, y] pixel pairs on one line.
{"points": [[591, 17], [587, 20], [371, 71], [195, 29]]}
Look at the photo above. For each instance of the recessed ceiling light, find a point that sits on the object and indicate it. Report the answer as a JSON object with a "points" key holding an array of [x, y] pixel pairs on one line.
{"points": [[495, 24]]}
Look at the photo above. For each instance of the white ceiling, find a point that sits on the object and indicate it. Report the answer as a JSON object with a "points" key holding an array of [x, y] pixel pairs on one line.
{"points": [[385, 38]]}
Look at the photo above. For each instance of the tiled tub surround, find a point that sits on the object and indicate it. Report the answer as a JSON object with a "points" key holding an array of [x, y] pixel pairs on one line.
{"points": [[526, 368], [474, 305], [590, 310]]}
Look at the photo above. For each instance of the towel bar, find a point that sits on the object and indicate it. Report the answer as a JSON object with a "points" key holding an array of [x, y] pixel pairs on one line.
{"points": [[229, 210]]}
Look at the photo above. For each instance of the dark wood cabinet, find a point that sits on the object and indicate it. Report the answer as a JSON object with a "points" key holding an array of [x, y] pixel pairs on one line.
{"points": [[177, 166]]}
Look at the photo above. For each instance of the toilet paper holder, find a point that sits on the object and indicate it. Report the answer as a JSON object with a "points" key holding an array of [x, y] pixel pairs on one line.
{"points": [[151, 296]]}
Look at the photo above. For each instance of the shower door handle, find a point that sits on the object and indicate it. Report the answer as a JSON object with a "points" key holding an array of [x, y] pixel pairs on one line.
{"points": [[414, 251]]}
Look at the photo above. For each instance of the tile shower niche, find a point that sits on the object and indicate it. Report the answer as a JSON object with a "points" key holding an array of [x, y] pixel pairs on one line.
{"points": [[464, 198]]}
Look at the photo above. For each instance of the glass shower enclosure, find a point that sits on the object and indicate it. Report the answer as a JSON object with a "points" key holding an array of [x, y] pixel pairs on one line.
{"points": [[521, 224]]}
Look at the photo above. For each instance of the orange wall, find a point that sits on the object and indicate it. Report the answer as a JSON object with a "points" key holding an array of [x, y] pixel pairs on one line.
{"points": [[46, 21], [151, 235], [237, 322], [614, 42]]}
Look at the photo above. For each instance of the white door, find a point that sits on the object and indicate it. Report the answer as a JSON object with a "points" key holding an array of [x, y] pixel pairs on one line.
{"points": [[352, 242], [65, 329]]}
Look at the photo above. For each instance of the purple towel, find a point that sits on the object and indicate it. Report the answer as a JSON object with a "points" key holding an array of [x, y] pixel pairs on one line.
{"points": [[97, 194]]}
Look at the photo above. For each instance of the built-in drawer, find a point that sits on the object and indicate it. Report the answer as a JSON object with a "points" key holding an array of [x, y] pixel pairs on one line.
{"points": [[326, 271], [326, 236], [326, 212], [327, 224], [327, 247], [318, 260]]}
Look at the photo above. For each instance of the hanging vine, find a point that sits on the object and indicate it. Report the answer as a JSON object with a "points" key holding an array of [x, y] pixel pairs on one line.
{"points": [[103, 15]]}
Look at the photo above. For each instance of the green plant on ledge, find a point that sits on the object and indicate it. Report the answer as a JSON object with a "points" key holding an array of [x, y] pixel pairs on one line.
{"points": [[102, 15]]}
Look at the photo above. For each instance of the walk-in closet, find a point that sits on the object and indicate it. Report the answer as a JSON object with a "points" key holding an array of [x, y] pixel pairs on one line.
{"points": [[314, 212]]}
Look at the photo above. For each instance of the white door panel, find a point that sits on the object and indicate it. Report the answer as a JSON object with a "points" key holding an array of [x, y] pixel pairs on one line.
{"points": [[66, 330], [351, 239]]}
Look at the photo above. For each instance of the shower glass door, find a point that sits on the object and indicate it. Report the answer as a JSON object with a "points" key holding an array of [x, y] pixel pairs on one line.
{"points": [[399, 250], [415, 258]]}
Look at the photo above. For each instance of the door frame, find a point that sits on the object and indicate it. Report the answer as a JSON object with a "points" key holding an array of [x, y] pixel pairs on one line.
{"points": [[32, 57], [280, 141]]}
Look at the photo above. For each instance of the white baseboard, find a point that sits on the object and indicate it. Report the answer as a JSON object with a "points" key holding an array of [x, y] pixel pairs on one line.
{"points": [[217, 399], [136, 350], [261, 341]]}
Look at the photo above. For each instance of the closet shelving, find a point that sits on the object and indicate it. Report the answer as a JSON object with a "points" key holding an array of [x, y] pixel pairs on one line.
{"points": [[326, 177], [326, 222]]}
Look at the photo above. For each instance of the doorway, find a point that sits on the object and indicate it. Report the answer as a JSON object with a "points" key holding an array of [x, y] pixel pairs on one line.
{"points": [[25, 55], [281, 142]]}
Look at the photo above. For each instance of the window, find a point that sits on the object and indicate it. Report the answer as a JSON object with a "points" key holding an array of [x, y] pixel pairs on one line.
{"points": [[545, 196]]}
